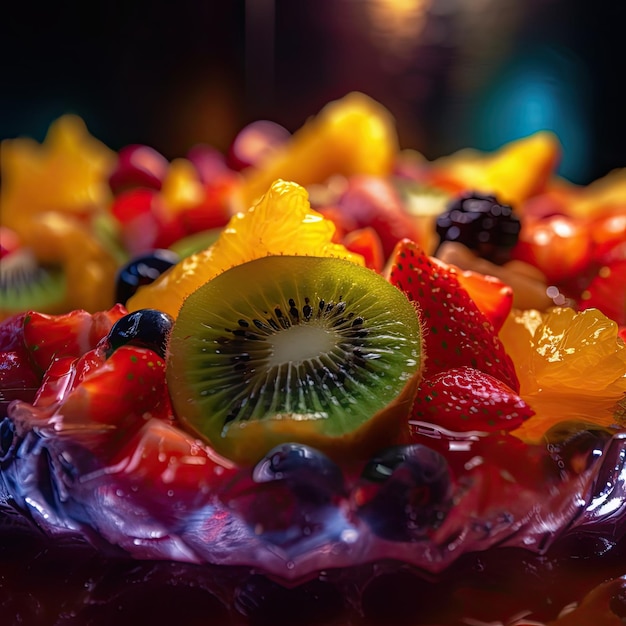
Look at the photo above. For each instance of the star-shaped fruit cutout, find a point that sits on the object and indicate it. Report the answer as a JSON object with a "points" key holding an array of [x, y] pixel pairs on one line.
{"points": [[68, 172]]}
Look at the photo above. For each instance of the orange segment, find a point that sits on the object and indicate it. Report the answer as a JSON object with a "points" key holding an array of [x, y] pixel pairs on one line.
{"points": [[571, 366], [281, 223]]}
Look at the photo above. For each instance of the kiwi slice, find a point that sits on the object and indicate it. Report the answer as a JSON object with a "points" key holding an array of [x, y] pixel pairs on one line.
{"points": [[319, 351], [27, 285]]}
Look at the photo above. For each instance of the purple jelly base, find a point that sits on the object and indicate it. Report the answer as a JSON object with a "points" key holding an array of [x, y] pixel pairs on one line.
{"points": [[317, 541]]}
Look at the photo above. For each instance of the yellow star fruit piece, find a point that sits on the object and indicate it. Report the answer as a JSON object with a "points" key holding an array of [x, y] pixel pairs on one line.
{"points": [[282, 222], [571, 366], [352, 135], [68, 172]]}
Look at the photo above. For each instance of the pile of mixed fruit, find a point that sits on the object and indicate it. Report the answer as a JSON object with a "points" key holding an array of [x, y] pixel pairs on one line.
{"points": [[318, 353]]}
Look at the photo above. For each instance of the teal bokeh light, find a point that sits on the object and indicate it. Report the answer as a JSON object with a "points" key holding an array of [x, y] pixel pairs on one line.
{"points": [[540, 89]]}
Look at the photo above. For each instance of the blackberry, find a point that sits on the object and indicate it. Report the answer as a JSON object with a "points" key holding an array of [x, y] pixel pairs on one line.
{"points": [[481, 223]]}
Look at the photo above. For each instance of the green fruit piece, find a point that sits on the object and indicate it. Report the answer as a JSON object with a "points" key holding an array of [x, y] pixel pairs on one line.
{"points": [[302, 349], [196, 242], [27, 285]]}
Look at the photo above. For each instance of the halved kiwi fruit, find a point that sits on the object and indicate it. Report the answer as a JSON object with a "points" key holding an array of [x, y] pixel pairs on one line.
{"points": [[320, 351], [26, 284]]}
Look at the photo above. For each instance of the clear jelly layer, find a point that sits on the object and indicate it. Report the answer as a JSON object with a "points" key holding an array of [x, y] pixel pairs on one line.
{"points": [[297, 513]]}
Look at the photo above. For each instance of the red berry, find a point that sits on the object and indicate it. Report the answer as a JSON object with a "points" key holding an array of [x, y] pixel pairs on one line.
{"points": [[560, 246], [51, 337], [138, 166], [465, 398], [607, 292], [456, 332], [371, 201]]}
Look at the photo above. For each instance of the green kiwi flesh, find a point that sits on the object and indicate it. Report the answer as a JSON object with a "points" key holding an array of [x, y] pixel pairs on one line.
{"points": [[27, 285], [294, 348]]}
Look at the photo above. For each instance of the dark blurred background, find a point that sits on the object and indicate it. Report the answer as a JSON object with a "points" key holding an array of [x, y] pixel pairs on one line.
{"points": [[455, 73]]}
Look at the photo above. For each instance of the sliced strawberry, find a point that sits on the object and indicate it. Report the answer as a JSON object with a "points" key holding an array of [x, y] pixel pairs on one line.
{"points": [[608, 233], [164, 464], [102, 321], [12, 334], [58, 381], [373, 201], [124, 388], [607, 292], [50, 337], [65, 374], [492, 296], [366, 242], [19, 379], [456, 333], [465, 398]]}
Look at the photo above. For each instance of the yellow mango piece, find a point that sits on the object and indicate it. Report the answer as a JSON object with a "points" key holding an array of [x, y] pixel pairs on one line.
{"points": [[606, 193], [518, 170], [182, 188], [353, 135]]}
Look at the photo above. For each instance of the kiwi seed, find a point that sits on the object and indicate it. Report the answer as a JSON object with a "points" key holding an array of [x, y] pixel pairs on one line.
{"points": [[320, 351]]}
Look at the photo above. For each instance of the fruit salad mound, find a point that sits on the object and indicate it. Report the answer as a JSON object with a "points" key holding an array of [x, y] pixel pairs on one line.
{"points": [[132, 435], [358, 372], [552, 241]]}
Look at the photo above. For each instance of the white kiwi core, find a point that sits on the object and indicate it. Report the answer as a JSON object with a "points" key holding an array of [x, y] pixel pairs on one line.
{"points": [[301, 343]]}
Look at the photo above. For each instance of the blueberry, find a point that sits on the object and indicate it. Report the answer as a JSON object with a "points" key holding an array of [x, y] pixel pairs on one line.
{"points": [[145, 328], [142, 270], [310, 473], [404, 492], [292, 499]]}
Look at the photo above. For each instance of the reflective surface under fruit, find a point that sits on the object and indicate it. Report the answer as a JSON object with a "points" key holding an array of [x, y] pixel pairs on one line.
{"points": [[537, 527]]}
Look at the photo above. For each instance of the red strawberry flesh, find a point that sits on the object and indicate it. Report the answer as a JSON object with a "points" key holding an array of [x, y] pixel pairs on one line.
{"points": [[456, 332]]}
